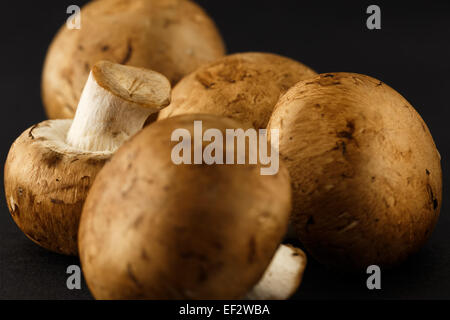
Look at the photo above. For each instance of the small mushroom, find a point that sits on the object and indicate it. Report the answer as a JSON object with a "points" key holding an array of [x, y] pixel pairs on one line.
{"points": [[242, 86], [51, 166], [172, 37], [152, 229]]}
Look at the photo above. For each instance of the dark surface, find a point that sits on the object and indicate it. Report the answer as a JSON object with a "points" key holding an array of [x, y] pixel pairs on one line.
{"points": [[411, 53]]}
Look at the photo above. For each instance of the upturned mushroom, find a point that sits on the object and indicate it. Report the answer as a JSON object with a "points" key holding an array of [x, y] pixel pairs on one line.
{"points": [[153, 229], [172, 37], [366, 174], [243, 86], [51, 166]]}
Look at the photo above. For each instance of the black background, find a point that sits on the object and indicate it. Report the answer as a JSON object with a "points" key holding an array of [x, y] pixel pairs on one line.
{"points": [[411, 53]]}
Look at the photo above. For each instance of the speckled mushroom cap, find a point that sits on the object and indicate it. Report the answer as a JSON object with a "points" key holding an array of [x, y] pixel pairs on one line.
{"points": [[41, 176], [366, 174], [172, 37], [243, 86], [151, 229]]}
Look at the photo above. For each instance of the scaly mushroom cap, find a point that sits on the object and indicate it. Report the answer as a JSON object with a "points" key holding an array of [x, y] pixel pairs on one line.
{"points": [[173, 37], [46, 183], [366, 174], [243, 86], [151, 229]]}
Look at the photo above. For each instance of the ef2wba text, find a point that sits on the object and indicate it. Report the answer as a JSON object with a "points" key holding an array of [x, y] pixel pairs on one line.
{"points": [[227, 309]]}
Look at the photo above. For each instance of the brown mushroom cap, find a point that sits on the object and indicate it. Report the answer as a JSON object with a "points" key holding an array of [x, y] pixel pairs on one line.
{"points": [[173, 37], [243, 86], [366, 174], [46, 182], [155, 230]]}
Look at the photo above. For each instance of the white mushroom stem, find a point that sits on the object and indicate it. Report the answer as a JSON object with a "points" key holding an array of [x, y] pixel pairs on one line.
{"points": [[114, 105], [283, 276]]}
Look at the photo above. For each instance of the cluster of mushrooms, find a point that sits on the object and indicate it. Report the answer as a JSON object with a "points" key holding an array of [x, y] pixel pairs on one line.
{"points": [[360, 178]]}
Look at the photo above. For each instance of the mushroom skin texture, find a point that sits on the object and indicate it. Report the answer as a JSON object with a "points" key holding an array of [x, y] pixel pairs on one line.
{"points": [[50, 167], [46, 185], [366, 174], [242, 86], [151, 229], [172, 37]]}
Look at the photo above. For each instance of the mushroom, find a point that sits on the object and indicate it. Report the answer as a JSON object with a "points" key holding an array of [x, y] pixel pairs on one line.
{"points": [[243, 86], [51, 166], [366, 174], [172, 37], [152, 229]]}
